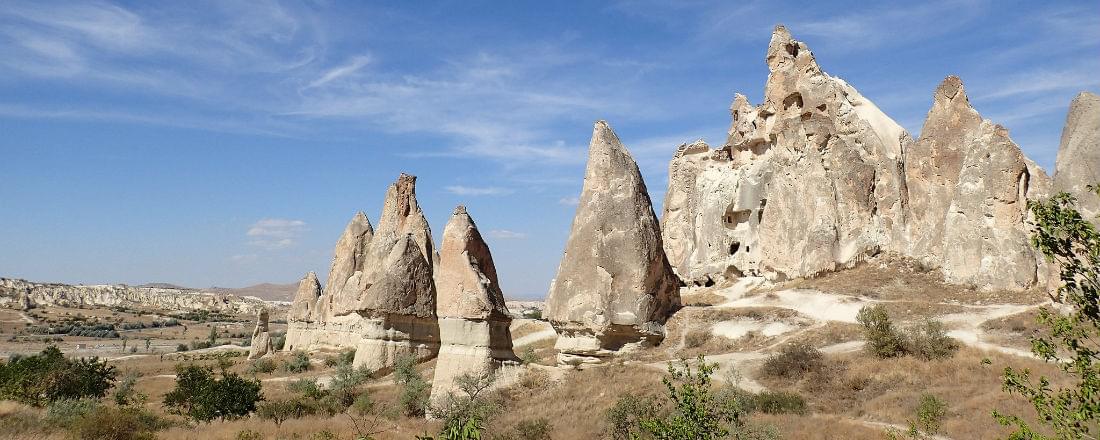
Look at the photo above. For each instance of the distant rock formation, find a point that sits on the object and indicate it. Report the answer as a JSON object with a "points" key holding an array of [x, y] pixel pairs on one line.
{"points": [[261, 337], [473, 318], [817, 178], [1078, 163], [380, 294], [614, 286], [30, 294]]}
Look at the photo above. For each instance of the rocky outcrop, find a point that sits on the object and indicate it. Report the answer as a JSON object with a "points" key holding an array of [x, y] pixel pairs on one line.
{"points": [[817, 178], [304, 313], [261, 337], [1078, 163], [614, 286], [473, 318], [809, 181], [30, 294], [380, 294]]}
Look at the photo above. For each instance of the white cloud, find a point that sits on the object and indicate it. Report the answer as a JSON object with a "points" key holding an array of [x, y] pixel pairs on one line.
{"points": [[244, 258], [352, 66], [569, 201], [504, 234], [477, 191], [275, 233]]}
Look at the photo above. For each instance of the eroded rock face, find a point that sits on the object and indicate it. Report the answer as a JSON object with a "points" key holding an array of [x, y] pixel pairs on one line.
{"points": [[809, 181], [614, 285], [261, 337], [380, 293], [1078, 163], [985, 238], [817, 178], [473, 318]]}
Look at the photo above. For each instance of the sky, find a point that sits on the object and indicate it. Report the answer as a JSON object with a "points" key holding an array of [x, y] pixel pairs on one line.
{"points": [[228, 143]]}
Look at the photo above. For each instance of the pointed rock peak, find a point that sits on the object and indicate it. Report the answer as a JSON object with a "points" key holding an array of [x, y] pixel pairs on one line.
{"points": [[358, 225], [603, 139], [1085, 98], [460, 210], [784, 51], [403, 192], [951, 87], [309, 289], [740, 107], [310, 276], [467, 278]]}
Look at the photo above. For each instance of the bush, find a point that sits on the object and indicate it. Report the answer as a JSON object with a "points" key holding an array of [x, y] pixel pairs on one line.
{"points": [[627, 414], [306, 387], [115, 423], [883, 340], [534, 379], [298, 363], [50, 376], [280, 411], [528, 356], [930, 341], [248, 434], [464, 415], [927, 341], [697, 337], [793, 361], [202, 397], [779, 402], [537, 429], [262, 366], [345, 357], [278, 340], [930, 414], [413, 397], [125, 394], [64, 413], [181, 348]]}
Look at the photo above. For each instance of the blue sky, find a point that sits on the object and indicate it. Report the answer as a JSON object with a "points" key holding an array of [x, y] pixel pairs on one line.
{"points": [[228, 143]]}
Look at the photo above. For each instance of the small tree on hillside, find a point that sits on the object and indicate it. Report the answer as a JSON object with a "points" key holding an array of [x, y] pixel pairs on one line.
{"points": [[1073, 245]]}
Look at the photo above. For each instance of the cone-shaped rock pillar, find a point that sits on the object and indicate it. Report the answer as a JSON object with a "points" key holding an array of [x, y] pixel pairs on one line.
{"points": [[614, 286], [303, 314], [473, 319]]}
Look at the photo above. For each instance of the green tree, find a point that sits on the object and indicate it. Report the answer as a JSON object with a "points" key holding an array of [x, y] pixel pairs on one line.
{"points": [[50, 376], [1072, 340], [203, 397]]}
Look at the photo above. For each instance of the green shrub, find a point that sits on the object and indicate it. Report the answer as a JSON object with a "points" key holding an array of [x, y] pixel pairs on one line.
{"points": [[528, 356], [536, 429], [930, 414], [883, 339], [413, 397], [262, 366], [466, 413], [278, 340], [203, 397], [248, 434], [125, 394], [182, 348], [298, 363], [279, 411], [117, 423], [930, 341], [779, 402], [363, 404], [345, 357], [64, 413], [50, 376], [306, 387], [793, 361], [627, 414]]}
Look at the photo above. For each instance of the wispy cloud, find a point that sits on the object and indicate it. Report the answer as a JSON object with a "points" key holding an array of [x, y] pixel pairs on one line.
{"points": [[478, 191], [569, 201], [275, 233], [504, 234], [352, 66]]}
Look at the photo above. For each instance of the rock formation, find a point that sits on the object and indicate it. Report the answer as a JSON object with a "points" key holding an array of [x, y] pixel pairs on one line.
{"points": [[1078, 163], [817, 178], [30, 294], [614, 286], [473, 318], [261, 337], [304, 313], [380, 295]]}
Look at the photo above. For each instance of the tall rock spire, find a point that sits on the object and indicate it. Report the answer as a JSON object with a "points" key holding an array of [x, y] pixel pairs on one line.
{"points": [[304, 313], [614, 285], [473, 320]]}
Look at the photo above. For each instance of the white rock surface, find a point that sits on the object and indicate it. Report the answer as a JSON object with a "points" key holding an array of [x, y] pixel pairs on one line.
{"points": [[1078, 163]]}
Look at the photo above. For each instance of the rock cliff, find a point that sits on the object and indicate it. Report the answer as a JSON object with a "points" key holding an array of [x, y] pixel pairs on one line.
{"points": [[28, 293], [817, 178]]}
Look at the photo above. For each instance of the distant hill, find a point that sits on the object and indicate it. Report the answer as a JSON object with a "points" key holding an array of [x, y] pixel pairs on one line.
{"points": [[264, 291]]}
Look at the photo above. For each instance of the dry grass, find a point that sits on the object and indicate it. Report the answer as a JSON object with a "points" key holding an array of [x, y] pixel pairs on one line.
{"points": [[701, 298], [892, 278]]}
